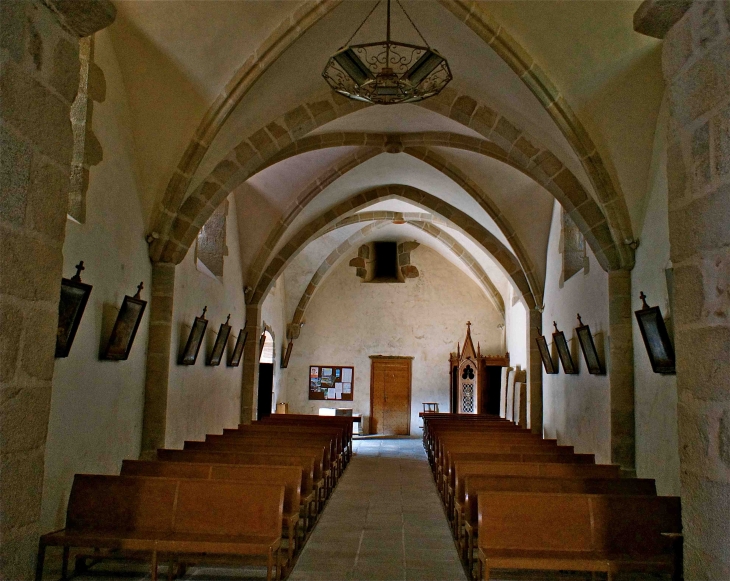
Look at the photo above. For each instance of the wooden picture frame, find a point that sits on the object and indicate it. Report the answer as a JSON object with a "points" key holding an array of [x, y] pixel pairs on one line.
{"points": [[195, 339], [547, 359], [563, 351], [656, 338], [285, 359], [221, 341], [235, 358], [125, 327], [588, 347], [74, 296]]}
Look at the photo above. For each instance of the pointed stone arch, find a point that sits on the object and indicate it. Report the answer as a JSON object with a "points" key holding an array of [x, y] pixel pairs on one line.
{"points": [[455, 217], [462, 108], [246, 160], [375, 221]]}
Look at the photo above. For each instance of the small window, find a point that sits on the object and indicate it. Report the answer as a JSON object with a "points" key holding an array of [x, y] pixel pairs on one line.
{"points": [[267, 353], [386, 262]]}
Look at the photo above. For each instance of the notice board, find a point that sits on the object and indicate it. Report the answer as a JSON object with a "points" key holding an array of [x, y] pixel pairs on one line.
{"points": [[331, 382]]}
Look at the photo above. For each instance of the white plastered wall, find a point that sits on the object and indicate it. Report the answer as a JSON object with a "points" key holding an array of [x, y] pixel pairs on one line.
{"points": [[576, 408], [516, 331], [96, 406], [203, 399], [657, 444], [424, 318]]}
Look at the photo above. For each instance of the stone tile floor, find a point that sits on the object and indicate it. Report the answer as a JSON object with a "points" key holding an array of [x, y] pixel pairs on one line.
{"points": [[384, 522]]}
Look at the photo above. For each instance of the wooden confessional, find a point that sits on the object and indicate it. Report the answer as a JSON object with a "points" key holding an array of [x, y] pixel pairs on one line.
{"points": [[475, 379]]}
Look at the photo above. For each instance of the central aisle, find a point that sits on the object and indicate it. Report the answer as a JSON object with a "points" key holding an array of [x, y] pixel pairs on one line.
{"points": [[384, 521]]}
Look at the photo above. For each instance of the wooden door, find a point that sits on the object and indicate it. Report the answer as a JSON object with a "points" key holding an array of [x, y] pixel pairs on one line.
{"points": [[390, 396]]}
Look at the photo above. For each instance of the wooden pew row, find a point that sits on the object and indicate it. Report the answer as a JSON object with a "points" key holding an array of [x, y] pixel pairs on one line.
{"points": [[578, 532], [344, 422], [429, 418], [444, 443], [503, 446], [449, 484], [332, 459], [278, 447], [474, 484], [441, 437], [290, 477], [500, 441], [336, 434], [306, 462], [172, 519]]}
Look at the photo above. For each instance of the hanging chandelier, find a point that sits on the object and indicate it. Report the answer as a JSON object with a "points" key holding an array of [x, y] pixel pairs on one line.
{"points": [[387, 72]]}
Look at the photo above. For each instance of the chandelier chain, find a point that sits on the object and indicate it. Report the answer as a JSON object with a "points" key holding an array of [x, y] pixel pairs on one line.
{"points": [[413, 24], [364, 21]]}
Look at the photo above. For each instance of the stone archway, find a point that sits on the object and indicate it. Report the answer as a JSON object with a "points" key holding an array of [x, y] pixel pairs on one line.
{"points": [[458, 219], [460, 107], [428, 224], [279, 140], [310, 192]]}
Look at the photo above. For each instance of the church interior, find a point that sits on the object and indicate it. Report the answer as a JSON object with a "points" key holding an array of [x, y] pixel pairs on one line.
{"points": [[216, 216]]}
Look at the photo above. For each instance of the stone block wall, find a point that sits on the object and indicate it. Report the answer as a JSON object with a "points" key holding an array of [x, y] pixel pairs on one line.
{"points": [[696, 63], [39, 68], [39, 78]]}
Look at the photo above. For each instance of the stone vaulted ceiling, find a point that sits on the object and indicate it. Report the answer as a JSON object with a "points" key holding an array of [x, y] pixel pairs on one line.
{"points": [[227, 99]]}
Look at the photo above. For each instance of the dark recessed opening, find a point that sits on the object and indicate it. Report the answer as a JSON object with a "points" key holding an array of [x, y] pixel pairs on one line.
{"points": [[386, 262]]}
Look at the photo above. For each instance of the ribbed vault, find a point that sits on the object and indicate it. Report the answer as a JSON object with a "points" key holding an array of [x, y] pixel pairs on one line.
{"points": [[503, 257]]}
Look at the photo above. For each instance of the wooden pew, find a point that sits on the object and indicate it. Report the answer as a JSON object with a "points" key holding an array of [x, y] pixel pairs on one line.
{"points": [[337, 435], [330, 459], [345, 422], [443, 443], [475, 484], [577, 532], [462, 451], [456, 459], [290, 477], [272, 446], [193, 520], [306, 462], [323, 479]]}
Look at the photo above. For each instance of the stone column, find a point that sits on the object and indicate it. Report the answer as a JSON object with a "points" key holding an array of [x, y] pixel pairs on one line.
{"points": [[696, 64], [250, 379], [534, 372], [621, 371], [154, 420], [39, 78]]}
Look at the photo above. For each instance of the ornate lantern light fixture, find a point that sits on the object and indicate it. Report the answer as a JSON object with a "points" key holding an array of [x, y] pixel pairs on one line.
{"points": [[387, 72]]}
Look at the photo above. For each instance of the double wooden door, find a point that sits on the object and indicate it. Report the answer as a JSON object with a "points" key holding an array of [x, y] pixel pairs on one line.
{"points": [[390, 396]]}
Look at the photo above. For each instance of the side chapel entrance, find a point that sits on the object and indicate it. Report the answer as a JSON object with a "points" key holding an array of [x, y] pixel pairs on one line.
{"points": [[390, 395]]}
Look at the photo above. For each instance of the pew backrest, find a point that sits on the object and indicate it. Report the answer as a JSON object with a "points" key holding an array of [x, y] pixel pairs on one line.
{"points": [[288, 476], [173, 505], [577, 523], [475, 484]]}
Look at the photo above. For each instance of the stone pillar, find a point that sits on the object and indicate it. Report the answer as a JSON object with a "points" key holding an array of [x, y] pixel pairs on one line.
{"points": [[250, 379], [39, 78], [621, 370], [534, 372], [696, 64], [154, 421]]}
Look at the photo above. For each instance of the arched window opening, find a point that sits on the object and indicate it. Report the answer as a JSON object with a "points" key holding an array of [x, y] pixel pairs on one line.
{"points": [[268, 350]]}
